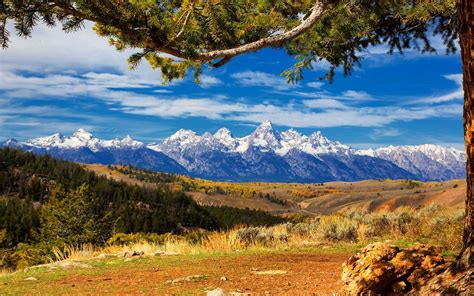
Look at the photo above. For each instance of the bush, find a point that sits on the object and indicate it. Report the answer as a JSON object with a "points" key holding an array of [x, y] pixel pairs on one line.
{"points": [[301, 229], [337, 228], [261, 236], [247, 236]]}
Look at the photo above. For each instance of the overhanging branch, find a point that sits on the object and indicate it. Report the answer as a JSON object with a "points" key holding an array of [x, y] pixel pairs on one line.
{"points": [[316, 12]]}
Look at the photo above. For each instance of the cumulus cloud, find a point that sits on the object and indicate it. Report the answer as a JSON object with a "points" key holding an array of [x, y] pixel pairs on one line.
{"points": [[357, 95], [51, 50], [16, 85], [324, 104], [209, 81], [258, 78], [315, 84]]}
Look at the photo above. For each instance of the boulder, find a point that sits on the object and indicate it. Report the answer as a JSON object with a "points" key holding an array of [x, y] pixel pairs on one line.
{"points": [[130, 254], [381, 268], [104, 256]]}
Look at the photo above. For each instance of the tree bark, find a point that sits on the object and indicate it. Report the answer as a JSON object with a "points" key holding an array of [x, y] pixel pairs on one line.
{"points": [[466, 39]]}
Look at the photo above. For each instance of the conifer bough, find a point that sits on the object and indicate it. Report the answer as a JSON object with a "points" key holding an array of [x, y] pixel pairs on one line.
{"points": [[178, 36]]}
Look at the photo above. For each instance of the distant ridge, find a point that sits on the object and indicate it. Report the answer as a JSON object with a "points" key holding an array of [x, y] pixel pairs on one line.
{"points": [[264, 155]]}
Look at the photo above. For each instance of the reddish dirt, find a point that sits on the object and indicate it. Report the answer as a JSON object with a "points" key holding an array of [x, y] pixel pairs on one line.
{"points": [[307, 274]]}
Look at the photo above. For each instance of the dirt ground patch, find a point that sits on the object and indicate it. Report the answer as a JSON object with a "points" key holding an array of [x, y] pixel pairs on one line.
{"points": [[298, 274]]}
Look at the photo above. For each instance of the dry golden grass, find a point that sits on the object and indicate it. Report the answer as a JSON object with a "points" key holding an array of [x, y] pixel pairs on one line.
{"points": [[405, 225], [73, 253], [319, 198]]}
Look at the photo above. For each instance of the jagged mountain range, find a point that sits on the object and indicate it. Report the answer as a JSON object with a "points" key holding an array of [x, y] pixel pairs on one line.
{"points": [[264, 155]]}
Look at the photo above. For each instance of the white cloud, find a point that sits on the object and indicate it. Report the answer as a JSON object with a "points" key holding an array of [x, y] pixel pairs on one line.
{"points": [[162, 91], [324, 104], [348, 95], [50, 50], [315, 84], [377, 56], [454, 77], [257, 78], [362, 117], [62, 85], [455, 95], [328, 111], [209, 81], [293, 115], [385, 132], [356, 95]]}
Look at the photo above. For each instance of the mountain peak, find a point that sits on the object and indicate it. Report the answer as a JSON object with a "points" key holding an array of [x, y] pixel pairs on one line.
{"points": [[317, 134], [223, 133], [182, 133], [264, 137], [265, 125], [128, 138], [291, 134], [10, 142], [82, 134], [224, 136]]}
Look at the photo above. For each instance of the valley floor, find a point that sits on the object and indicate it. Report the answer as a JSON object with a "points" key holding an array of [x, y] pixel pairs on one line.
{"points": [[268, 273]]}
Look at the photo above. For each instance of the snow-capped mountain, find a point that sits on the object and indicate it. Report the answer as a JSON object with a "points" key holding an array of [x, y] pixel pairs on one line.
{"points": [[429, 162], [83, 147], [265, 139], [264, 155], [268, 155], [82, 139]]}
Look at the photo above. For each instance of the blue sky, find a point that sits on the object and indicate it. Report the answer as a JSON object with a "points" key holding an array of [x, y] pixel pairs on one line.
{"points": [[56, 82]]}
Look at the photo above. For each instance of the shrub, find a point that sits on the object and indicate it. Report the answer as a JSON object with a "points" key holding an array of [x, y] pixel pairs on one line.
{"points": [[337, 228], [262, 236], [301, 229], [248, 235]]}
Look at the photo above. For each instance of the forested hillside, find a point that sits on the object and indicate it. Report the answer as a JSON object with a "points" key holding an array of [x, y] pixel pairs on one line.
{"points": [[46, 202]]}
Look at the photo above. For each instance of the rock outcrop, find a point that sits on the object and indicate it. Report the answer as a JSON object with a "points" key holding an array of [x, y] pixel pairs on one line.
{"points": [[384, 269]]}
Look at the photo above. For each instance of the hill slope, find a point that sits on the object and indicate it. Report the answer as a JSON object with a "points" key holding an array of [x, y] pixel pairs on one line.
{"points": [[319, 198]]}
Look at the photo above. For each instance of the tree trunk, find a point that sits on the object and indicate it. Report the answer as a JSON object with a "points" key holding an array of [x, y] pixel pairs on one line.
{"points": [[466, 39]]}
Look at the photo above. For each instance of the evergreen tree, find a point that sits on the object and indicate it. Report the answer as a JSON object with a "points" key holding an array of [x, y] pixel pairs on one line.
{"points": [[67, 218]]}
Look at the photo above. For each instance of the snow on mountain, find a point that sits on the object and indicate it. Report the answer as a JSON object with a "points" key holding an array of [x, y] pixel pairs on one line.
{"points": [[224, 136], [11, 142], [82, 139], [430, 162], [264, 155], [315, 144], [264, 137], [83, 147]]}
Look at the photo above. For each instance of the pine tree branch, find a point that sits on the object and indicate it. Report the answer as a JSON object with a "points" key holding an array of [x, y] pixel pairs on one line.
{"points": [[316, 12]]}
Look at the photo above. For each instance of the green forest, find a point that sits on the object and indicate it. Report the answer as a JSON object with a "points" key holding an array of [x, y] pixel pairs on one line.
{"points": [[47, 202]]}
